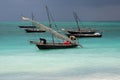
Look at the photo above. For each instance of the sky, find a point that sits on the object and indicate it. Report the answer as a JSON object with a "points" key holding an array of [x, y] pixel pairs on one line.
{"points": [[61, 10]]}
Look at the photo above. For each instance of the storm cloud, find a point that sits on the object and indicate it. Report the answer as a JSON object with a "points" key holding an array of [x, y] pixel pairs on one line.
{"points": [[95, 10]]}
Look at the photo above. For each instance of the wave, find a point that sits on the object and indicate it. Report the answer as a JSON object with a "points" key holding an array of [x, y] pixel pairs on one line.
{"points": [[38, 76]]}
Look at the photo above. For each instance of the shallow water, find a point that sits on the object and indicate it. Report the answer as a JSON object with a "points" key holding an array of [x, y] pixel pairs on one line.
{"points": [[98, 60]]}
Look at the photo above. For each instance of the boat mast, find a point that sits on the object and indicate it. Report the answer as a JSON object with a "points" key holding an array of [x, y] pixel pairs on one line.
{"points": [[50, 24], [32, 17], [76, 20]]}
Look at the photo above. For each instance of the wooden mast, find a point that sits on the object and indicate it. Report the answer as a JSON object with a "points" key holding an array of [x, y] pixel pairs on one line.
{"points": [[50, 24], [32, 17], [76, 20]]}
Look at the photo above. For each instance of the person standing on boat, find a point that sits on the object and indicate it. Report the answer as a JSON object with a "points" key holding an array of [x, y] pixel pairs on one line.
{"points": [[72, 38], [43, 41]]}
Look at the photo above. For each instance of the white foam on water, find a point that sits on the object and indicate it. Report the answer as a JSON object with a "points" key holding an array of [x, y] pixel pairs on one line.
{"points": [[37, 76]]}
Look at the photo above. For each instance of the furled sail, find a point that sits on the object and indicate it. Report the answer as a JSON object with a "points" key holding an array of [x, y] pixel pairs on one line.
{"points": [[49, 29]]}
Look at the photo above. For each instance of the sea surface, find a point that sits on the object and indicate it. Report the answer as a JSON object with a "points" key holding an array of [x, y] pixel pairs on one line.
{"points": [[99, 59]]}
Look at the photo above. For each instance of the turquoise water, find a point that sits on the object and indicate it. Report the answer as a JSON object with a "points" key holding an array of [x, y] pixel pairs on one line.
{"points": [[98, 60]]}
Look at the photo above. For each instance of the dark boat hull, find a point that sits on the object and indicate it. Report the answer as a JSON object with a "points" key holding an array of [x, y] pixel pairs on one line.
{"points": [[55, 46], [84, 35], [27, 26], [34, 30], [82, 32]]}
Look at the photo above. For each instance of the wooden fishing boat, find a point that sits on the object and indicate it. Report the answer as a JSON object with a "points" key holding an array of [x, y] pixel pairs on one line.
{"points": [[28, 26], [43, 44], [34, 30], [79, 30], [53, 45]]}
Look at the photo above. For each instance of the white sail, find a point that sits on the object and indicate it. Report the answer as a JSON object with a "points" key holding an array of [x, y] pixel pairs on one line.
{"points": [[49, 29]]}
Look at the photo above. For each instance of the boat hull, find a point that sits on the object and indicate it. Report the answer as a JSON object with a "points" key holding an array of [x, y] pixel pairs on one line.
{"points": [[56, 46], [33, 30], [27, 26], [82, 32], [84, 35]]}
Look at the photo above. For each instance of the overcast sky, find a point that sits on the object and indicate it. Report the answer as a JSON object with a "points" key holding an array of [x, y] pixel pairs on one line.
{"points": [[61, 10]]}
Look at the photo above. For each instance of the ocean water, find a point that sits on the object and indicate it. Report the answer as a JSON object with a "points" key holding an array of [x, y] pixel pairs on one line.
{"points": [[98, 60]]}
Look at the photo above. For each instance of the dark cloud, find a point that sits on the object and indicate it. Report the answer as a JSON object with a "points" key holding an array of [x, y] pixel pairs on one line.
{"points": [[61, 9], [84, 2]]}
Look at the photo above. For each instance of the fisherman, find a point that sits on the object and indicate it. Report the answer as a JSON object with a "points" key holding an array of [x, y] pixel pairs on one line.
{"points": [[72, 37], [42, 40]]}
